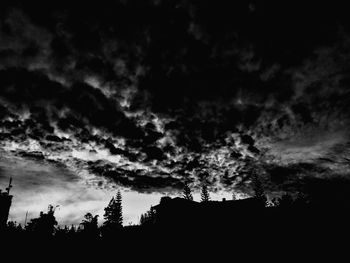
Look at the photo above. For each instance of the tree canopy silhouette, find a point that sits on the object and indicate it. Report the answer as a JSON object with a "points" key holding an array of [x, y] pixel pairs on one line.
{"points": [[148, 218], [114, 213], [90, 225], [187, 193]]}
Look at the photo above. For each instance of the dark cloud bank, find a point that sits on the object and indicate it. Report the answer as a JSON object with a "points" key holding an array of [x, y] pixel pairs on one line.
{"points": [[154, 93]]}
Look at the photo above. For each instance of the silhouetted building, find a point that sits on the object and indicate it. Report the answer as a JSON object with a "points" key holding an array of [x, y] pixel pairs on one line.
{"points": [[5, 204], [179, 211]]}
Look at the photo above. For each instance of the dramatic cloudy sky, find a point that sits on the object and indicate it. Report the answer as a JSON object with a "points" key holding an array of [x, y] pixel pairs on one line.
{"points": [[146, 95]]}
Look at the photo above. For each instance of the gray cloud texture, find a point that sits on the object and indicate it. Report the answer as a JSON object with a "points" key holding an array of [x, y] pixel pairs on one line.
{"points": [[154, 94]]}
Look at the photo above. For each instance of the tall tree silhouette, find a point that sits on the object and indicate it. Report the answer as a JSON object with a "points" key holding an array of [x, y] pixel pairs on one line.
{"points": [[113, 213], [187, 194], [45, 224], [205, 193]]}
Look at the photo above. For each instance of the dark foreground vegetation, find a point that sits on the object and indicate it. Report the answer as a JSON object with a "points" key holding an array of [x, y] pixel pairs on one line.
{"points": [[290, 224]]}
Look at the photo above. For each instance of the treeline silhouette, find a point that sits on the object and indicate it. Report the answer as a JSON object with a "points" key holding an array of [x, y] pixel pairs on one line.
{"points": [[45, 226], [183, 223]]}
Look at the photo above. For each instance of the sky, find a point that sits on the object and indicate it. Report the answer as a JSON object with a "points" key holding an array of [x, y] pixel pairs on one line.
{"points": [[145, 96]]}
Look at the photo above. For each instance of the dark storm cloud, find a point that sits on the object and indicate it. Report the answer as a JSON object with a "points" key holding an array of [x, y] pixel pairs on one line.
{"points": [[138, 179], [190, 90], [47, 99]]}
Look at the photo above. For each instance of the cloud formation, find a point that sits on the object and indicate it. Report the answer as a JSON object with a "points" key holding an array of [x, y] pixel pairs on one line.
{"points": [[151, 94]]}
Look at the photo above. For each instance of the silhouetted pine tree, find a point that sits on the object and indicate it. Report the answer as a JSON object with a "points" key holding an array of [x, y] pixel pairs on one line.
{"points": [[187, 194], [113, 212], [205, 194], [148, 218]]}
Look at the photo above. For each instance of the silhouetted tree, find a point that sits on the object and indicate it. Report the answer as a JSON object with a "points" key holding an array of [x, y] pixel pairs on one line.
{"points": [[45, 224], [148, 218], [12, 230], [187, 194], [258, 189], [113, 213], [14, 227], [205, 193], [90, 225]]}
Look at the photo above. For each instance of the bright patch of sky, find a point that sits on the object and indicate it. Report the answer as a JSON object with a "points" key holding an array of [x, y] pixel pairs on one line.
{"points": [[36, 184]]}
